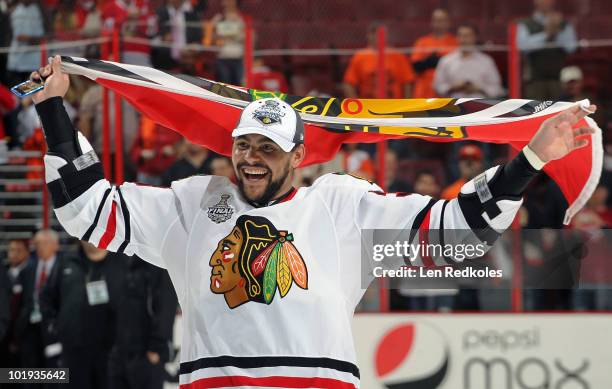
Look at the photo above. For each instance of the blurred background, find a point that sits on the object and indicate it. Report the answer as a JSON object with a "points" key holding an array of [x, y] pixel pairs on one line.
{"points": [[534, 49]]}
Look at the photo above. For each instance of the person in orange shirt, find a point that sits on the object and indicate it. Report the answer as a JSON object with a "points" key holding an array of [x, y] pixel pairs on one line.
{"points": [[427, 52], [470, 165], [361, 74]]}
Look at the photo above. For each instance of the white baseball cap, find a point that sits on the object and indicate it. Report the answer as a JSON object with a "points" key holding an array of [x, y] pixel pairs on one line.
{"points": [[274, 119], [570, 73]]}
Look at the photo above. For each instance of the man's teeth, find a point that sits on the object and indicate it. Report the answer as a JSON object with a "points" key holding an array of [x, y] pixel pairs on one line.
{"points": [[255, 171]]}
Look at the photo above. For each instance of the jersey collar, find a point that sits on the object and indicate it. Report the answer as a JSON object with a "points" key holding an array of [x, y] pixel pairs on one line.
{"points": [[281, 199]]}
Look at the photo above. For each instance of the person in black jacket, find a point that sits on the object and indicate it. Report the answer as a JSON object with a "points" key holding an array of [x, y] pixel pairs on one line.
{"points": [[5, 291], [77, 313], [29, 339], [145, 315]]}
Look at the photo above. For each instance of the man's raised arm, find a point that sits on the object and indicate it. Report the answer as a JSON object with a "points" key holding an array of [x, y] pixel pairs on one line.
{"points": [[486, 204], [128, 219]]}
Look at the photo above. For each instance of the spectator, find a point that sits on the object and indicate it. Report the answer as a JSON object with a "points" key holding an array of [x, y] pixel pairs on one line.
{"points": [[228, 33], [92, 25], [27, 28], [417, 295], [76, 307], [426, 183], [8, 105], [548, 263], [145, 318], [427, 52], [596, 214], [470, 165], [593, 222], [195, 160], [91, 117], [267, 79], [5, 292], [154, 151], [573, 90], [222, 166], [5, 35], [392, 183], [545, 39], [360, 77], [67, 21], [29, 337], [467, 72], [176, 27], [357, 162], [18, 255]]}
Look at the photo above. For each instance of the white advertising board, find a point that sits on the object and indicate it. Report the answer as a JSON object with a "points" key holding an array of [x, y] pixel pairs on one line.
{"points": [[484, 351]]}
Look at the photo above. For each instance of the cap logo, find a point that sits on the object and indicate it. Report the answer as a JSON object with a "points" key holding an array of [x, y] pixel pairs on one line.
{"points": [[269, 113]]}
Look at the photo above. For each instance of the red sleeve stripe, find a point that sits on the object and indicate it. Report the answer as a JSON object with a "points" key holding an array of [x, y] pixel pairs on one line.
{"points": [[111, 228], [268, 382]]}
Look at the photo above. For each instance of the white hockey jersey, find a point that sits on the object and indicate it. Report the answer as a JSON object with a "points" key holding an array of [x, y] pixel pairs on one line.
{"points": [[267, 293]]}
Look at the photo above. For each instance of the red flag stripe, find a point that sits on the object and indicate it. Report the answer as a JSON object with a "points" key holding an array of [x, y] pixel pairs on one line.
{"points": [[111, 228], [269, 382]]}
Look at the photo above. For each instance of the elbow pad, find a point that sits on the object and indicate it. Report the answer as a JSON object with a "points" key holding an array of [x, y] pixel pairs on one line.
{"points": [[67, 180], [489, 202], [71, 165]]}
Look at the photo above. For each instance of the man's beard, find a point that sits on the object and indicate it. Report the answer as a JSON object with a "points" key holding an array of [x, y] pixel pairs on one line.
{"points": [[268, 194]]}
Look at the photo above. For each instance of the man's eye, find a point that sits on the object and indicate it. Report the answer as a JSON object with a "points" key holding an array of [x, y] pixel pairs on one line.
{"points": [[243, 146], [268, 148], [225, 248]]}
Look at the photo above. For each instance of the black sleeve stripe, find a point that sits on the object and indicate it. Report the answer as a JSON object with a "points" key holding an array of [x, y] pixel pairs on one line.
{"points": [[126, 222], [58, 193], [441, 229], [91, 228], [419, 219]]}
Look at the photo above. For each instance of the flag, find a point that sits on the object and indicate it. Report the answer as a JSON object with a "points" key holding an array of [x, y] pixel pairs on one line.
{"points": [[206, 112]]}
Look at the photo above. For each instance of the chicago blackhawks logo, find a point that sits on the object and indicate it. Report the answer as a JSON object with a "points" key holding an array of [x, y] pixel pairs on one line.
{"points": [[253, 261]]}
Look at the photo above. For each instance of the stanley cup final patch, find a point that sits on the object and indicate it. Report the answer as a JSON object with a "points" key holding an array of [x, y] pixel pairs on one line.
{"points": [[269, 113], [221, 211]]}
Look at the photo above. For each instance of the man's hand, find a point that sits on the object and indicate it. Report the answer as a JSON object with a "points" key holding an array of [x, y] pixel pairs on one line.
{"points": [[153, 357], [556, 137], [56, 82]]}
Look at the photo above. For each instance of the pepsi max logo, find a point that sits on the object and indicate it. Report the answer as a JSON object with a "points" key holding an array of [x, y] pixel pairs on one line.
{"points": [[412, 356]]}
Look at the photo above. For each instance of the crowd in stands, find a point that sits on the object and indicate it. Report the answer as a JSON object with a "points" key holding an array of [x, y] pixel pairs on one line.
{"points": [[445, 62]]}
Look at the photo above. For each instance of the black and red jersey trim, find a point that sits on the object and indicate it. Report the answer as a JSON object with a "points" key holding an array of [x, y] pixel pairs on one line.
{"points": [[268, 382], [93, 225], [268, 361]]}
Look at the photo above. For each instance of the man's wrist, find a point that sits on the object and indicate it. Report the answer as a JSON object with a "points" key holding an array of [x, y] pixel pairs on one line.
{"points": [[533, 158]]}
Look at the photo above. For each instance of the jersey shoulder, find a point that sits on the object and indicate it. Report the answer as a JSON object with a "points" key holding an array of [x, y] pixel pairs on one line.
{"points": [[345, 181], [342, 188]]}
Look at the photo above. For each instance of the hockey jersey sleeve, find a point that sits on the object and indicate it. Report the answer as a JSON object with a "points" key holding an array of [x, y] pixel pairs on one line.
{"points": [[485, 207], [130, 218]]}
